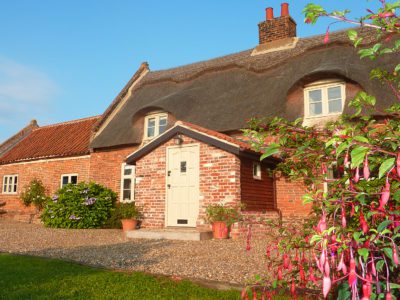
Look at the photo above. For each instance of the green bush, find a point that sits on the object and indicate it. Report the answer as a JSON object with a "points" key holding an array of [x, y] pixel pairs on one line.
{"points": [[85, 205], [34, 193]]}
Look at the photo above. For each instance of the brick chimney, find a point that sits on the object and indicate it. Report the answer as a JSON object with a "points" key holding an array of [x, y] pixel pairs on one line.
{"points": [[278, 28]]}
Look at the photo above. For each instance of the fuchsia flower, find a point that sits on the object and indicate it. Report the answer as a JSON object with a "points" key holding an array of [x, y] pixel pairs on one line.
{"points": [[326, 39], [286, 261], [395, 255], [356, 177], [385, 195], [322, 223], [366, 171], [364, 225], [344, 222], [352, 273], [341, 266], [398, 164], [326, 285]]}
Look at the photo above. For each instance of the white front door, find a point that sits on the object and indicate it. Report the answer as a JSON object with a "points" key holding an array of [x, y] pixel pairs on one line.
{"points": [[182, 185]]}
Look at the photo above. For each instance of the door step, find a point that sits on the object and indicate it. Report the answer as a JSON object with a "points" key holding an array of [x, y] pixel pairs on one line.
{"points": [[169, 234]]}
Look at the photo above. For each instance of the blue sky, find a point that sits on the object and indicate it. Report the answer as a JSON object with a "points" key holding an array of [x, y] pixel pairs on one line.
{"points": [[63, 60]]}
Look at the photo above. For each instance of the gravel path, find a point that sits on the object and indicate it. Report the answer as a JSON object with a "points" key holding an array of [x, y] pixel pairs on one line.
{"points": [[217, 260]]}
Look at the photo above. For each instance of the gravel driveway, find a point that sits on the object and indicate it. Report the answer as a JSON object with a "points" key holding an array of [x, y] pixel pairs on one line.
{"points": [[216, 260]]}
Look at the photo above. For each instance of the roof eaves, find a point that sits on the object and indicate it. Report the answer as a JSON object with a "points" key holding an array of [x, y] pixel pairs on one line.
{"points": [[187, 131], [143, 70]]}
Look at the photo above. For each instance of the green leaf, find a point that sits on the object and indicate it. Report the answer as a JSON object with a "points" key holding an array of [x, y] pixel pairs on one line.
{"points": [[361, 139], [379, 265], [341, 148], [307, 199], [271, 150], [357, 155], [397, 69], [394, 286], [352, 34], [383, 225], [389, 253], [386, 166], [364, 252]]}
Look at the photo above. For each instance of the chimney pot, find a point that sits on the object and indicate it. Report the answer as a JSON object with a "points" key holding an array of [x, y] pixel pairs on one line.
{"points": [[270, 13], [284, 9]]}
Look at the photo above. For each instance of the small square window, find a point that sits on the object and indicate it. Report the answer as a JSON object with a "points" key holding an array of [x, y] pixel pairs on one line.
{"points": [[257, 171], [324, 99], [10, 184], [155, 124], [68, 178]]}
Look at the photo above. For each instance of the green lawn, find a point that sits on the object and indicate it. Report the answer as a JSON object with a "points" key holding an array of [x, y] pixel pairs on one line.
{"points": [[24, 277]]}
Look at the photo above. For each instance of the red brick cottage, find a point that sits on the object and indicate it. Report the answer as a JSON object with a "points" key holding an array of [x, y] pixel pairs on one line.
{"points": [[171, 139]]}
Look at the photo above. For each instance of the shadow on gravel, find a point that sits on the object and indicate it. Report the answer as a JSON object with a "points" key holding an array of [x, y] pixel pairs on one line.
{"points": [[129, 255]]}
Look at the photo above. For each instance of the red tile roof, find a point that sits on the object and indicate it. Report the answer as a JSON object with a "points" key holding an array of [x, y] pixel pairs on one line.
{"points": [[221, 136], [58, 140]]}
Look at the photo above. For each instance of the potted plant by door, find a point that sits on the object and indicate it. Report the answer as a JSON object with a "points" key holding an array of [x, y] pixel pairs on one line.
{"points": [[221, 218], [129, 215]]}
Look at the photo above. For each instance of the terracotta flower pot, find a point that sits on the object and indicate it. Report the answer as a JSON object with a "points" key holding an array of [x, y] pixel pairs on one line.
{"points": [[220, 230], [128, 224]]}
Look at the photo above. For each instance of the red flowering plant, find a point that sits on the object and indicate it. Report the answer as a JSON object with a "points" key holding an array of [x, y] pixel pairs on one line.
{"points": [[354, 245]]}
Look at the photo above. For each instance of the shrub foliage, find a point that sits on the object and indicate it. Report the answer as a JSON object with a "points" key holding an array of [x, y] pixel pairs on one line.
{"points": [[34, 193], [85, 205]]}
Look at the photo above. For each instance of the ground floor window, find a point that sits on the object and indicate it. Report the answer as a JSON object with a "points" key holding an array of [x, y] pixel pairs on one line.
{"points": [[127, 183], [10, 184], [69, 178]]}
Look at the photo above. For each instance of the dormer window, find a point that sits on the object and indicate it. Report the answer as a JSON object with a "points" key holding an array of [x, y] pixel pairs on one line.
{"points": [[324, 99], [155, 124]]}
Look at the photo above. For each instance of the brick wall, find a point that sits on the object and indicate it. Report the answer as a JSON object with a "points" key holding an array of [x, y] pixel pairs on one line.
{"points": [[276, 29], [289, 198], [219, 181], [105, 166], [48, 171]]}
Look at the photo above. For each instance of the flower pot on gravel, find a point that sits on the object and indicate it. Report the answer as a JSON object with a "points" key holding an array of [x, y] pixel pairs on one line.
{"points": [[220, 230], [128, 224], [129, 214], [222, 217]]}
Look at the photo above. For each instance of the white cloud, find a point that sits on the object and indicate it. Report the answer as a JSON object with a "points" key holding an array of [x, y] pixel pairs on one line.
{"points": [[25, 94]]}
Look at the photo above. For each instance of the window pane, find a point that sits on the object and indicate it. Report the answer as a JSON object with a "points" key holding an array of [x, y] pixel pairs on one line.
{"points": [[162, 128], [334, 93], [150, 131], [64, 180], [74, 179], [127, 184], [315, 96], [127, 195], [315, 108], [127, 171], [163, 121], [151, 122], [5, 184], [335, 106], [15, 188]]}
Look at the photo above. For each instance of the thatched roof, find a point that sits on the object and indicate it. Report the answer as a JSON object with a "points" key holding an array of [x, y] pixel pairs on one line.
{"points": [[222, 93]]}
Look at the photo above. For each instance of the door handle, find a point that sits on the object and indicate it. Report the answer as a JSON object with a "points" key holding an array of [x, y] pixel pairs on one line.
{"points": [[169, 186]]}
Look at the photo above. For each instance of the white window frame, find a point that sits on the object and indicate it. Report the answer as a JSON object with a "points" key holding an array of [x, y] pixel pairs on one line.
{"points": [[257, 170], [323, 86], [132, 178], [10, 183], [157, 117], [69, 178]]}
